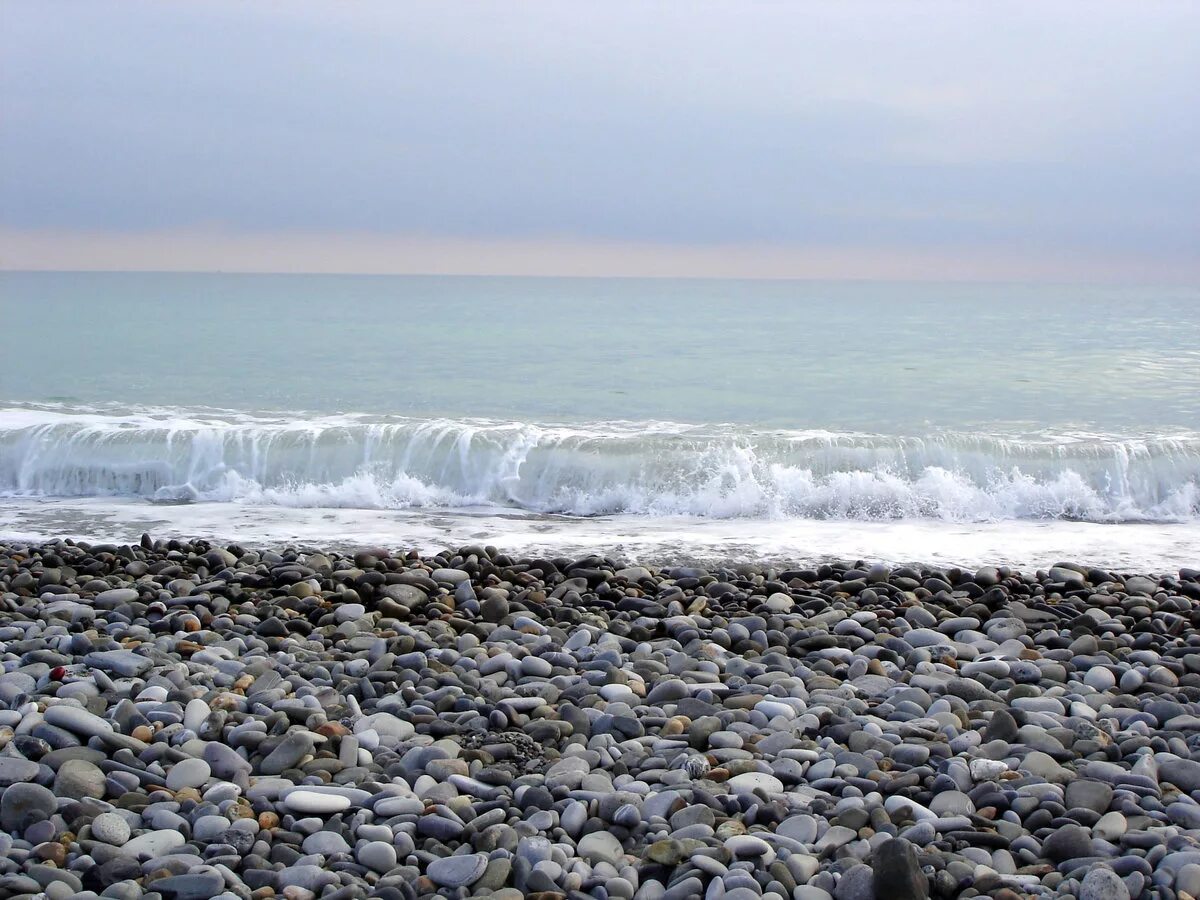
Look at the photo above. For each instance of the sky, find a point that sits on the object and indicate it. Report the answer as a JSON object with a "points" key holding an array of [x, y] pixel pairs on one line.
{"points": [[1024, 141]]}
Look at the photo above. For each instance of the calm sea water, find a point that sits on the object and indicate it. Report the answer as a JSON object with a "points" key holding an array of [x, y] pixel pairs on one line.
{"points": [[711, 418]]}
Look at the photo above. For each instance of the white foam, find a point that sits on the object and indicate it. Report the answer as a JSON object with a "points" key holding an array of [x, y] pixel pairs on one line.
{"points": [[653, 469], [1149, 547]]}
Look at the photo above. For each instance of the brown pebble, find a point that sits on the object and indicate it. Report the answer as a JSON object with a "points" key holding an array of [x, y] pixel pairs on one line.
{"points": [[52, 852], [268, 820]]}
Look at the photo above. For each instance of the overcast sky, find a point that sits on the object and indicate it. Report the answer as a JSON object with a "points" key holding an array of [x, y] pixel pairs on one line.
{"points": [[1057, 140]]}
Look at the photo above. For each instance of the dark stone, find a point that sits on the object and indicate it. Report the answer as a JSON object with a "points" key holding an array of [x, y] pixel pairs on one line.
{"points": [[1001, 727], [897, 872]]}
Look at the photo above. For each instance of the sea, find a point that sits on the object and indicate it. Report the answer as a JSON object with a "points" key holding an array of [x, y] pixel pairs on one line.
{"points": [[647, 419]]}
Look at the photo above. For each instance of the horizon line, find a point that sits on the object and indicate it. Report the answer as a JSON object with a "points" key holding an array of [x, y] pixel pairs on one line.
{"points": [[199, 251], [268, 273]]}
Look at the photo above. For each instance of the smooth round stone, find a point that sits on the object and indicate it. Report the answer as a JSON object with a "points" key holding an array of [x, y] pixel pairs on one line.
{"points": [[377, 856], [773, 708], [725, 740], [1187, 879], [457, 871], [325, 843], [312, 803], [536, 666], [857, 883], [110, 828], [21, 801], [1068, 842], [746, 845], [209, 828], [1093, 795], [779, 603], [188, 773], [749, 782], [349, 612], [194, 714], [1103, 884], [1111, 826], [1100, 678], [951, 803], [79, 779], [153, 844], [76, 720], [599, 846]]}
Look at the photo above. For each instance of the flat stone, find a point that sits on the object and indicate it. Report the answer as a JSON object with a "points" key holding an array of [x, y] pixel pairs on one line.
{"points": [[1068, 842], [325, 843], [1094, 795], [457, 871], [599, 846], [293, 748], [153, 844], [190, 886], [1183, 773], [188, 773], [24, 801], [124, 663], [79, 779], [313, 803], [77, 720], [110, 828], [377, 856], [749, 782], [14, 771]]}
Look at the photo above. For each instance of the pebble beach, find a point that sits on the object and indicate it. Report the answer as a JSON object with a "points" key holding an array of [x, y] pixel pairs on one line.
{"points": [[186, 720]]}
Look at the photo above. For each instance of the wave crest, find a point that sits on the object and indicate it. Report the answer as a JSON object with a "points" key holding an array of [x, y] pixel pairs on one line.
{"points": [[594, 469]]}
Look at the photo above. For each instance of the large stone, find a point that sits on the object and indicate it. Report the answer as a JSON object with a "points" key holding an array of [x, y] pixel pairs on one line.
{"points": [[1068, 842], [857, 883], [293, 748], [77, 779], [315, 804], [1103, 884], [23, 803], [190, 886], [188, 773], [325, 843], [1093, 795], [897, 871], [457, 871], [15, 771], [124, 663], [224, 761], [749, 782], [599, 846], [110, 828], [1001, 727], [77, 720], [153, 844], [1183, 773]]}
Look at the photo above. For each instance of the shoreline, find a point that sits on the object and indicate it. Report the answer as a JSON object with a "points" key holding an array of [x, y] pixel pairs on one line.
{"points": [[185, 718], [667, 540]]}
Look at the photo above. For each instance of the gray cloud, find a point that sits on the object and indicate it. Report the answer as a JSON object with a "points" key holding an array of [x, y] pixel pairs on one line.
{"points": [[947, 128]]}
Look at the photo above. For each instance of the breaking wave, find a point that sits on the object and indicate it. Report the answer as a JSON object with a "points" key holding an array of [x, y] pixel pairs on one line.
{"points": [[648, 468]]}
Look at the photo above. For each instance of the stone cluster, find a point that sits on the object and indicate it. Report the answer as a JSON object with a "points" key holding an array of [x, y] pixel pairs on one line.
{"points": [[183, 720]]}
